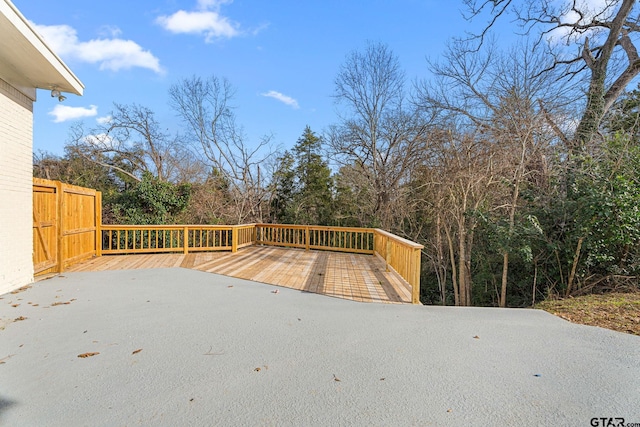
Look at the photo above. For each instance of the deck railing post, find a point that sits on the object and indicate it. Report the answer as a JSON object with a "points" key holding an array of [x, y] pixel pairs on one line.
{"points": [[234, 238], [373, 244], [415, 276], [306, 238], [185, 239], [387, 256]]}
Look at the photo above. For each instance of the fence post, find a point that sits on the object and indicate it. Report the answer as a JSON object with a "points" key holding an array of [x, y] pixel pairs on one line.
{"points": [[234, 238], [98, 213], [185, 240], [306, 238], [60, 235]]}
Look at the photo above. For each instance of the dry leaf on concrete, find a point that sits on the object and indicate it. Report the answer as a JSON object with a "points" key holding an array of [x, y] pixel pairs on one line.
{"points": [[85, 355]]}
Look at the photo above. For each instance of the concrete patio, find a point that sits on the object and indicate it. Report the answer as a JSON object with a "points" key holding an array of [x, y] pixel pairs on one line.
{"points": [[177, 346]]}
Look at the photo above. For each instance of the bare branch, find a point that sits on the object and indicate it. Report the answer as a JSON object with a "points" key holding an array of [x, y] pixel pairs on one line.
{"points": [[111, 166], [587, 54], [553, 124], [498, 8], [205, 107]]}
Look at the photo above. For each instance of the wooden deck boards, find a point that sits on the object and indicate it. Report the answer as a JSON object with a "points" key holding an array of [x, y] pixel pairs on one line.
{"points": [[350, 276]]}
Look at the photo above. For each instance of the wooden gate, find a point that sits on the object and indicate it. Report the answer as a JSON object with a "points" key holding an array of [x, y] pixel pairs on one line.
{"points": [[66, 225]]}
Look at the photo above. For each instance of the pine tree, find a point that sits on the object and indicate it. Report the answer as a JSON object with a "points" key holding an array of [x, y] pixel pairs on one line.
{"points": [[284, 190], [313, 199]]}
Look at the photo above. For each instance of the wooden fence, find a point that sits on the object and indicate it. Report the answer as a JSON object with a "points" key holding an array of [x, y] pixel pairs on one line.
{"points": [[66, 223], [67, 228]]}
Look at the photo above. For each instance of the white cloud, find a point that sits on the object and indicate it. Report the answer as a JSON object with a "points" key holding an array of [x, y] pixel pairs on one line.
{"points": [[257, 30], [589, 9], [110, 53], [104, 120], [206, 21], [109, 31], [63, 113], [282, 98], [212, 4]]}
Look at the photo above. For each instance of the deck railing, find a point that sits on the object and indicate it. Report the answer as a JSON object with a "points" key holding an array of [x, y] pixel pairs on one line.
{"points": [[137, 239], [401, 255], [340, 239]]}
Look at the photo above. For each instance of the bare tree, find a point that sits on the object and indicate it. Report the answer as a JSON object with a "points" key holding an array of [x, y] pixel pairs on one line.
{"points": [[377, 133], [598, 41], [458, 179], [132, 142], [493, 96], [205, 107], [73, 169]]}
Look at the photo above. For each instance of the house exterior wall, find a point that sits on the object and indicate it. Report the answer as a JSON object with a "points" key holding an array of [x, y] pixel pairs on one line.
{"points": [[16, 187]]}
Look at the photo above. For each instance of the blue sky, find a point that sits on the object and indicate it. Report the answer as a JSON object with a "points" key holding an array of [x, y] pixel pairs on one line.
{"points": [[281, 55]]}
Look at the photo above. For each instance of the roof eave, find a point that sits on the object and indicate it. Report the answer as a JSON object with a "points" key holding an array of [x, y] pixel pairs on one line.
{"points": [[26, 59]]}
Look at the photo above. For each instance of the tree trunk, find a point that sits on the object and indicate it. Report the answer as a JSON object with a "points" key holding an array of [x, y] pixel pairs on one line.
{"points": [[467, 265], [512, 223], [593, 113], [442, 271], [462, 276], [576, 257], [505, 269], [454, 274]]}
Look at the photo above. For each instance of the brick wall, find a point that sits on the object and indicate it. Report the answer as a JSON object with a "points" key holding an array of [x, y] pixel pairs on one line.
{"points": [[16, 186]]}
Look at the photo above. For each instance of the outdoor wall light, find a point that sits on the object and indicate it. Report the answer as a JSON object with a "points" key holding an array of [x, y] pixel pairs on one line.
{"points": [[55, 93]]}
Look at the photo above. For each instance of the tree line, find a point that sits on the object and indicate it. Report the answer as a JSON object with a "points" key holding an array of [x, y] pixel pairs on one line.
{"points": [[518, 169]]}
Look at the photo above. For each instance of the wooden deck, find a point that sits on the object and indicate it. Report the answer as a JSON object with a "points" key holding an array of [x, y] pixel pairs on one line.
{"points": [[350, 276]]}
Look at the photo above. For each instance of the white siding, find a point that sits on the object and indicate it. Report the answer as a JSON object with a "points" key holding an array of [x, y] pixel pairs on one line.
{"points": [[16, 186]]}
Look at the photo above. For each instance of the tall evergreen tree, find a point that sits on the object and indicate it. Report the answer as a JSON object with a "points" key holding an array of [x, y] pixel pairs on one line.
{"points": [[284, 188], [314, 196]]}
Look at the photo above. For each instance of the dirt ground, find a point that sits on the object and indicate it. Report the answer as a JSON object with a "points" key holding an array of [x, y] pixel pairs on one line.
{"points": [[616, 311]]}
